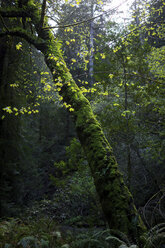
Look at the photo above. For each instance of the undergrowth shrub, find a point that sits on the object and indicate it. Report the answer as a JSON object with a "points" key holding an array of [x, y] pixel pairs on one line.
{"points": [[76, 194], [102, 239], [44, 233], [155, 237], [14, 233]]}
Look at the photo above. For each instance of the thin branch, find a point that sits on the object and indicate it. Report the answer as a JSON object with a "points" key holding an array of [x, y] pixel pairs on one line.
{"points": [[72, 24], [88, 20], [4, 23]]}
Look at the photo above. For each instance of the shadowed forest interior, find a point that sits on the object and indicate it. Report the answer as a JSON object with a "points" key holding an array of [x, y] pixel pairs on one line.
{"points": [[82, 108]]}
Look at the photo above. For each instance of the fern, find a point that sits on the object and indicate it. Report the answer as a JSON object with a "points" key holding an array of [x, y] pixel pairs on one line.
{"points": [[124, 246], [121, 236], [103, 239], [157, 229], [27, 242], [44, 243], [8, 246], [155, 237]]}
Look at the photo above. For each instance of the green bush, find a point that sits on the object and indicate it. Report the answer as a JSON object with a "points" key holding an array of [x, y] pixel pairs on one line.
{"points": [[15, 233], [76, 194]]}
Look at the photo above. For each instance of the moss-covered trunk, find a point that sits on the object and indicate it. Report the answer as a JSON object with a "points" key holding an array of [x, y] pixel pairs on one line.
{"points": [[116, 200]]}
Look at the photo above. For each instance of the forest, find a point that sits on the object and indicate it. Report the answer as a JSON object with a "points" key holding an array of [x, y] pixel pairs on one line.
{"points": [[82, 127]]}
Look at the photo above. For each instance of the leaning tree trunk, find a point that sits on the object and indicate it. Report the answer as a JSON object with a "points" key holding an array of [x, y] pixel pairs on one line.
{"points": [[116, 200]]}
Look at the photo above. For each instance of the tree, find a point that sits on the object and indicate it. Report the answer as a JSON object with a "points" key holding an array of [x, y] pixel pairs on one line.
{"points": [[143, 93], [78, 29], [155, 24], [16, 143], [116, 200]]}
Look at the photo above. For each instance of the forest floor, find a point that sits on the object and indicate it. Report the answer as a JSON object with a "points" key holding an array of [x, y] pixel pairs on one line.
{"points": [[40, 227]]}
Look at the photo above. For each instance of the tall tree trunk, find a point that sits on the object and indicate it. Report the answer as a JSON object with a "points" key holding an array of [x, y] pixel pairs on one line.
{"points": [[137, 20], [128, 150], [9, 130], [91, 39]]}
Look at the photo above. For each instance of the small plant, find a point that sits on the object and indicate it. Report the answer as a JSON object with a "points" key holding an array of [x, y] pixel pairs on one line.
{"points": [[155, 237], [103, 239], [27, 242], [42, 233]]}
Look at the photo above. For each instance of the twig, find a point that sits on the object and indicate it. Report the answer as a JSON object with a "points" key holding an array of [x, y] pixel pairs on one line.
{"points": [[4, 23], [88, 20]]}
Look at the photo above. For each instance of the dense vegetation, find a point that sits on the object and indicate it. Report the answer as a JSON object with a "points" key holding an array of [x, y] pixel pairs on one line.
{"points": [[72, 81]]}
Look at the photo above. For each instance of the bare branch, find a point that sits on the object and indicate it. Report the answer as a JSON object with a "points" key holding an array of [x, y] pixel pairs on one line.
{"points": [[3, 22], [110, 11]]}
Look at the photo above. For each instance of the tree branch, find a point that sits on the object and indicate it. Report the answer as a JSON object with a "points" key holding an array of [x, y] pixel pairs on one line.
{"points": [[88, 20], [37, 42], [16, 12], [4, 23]]}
